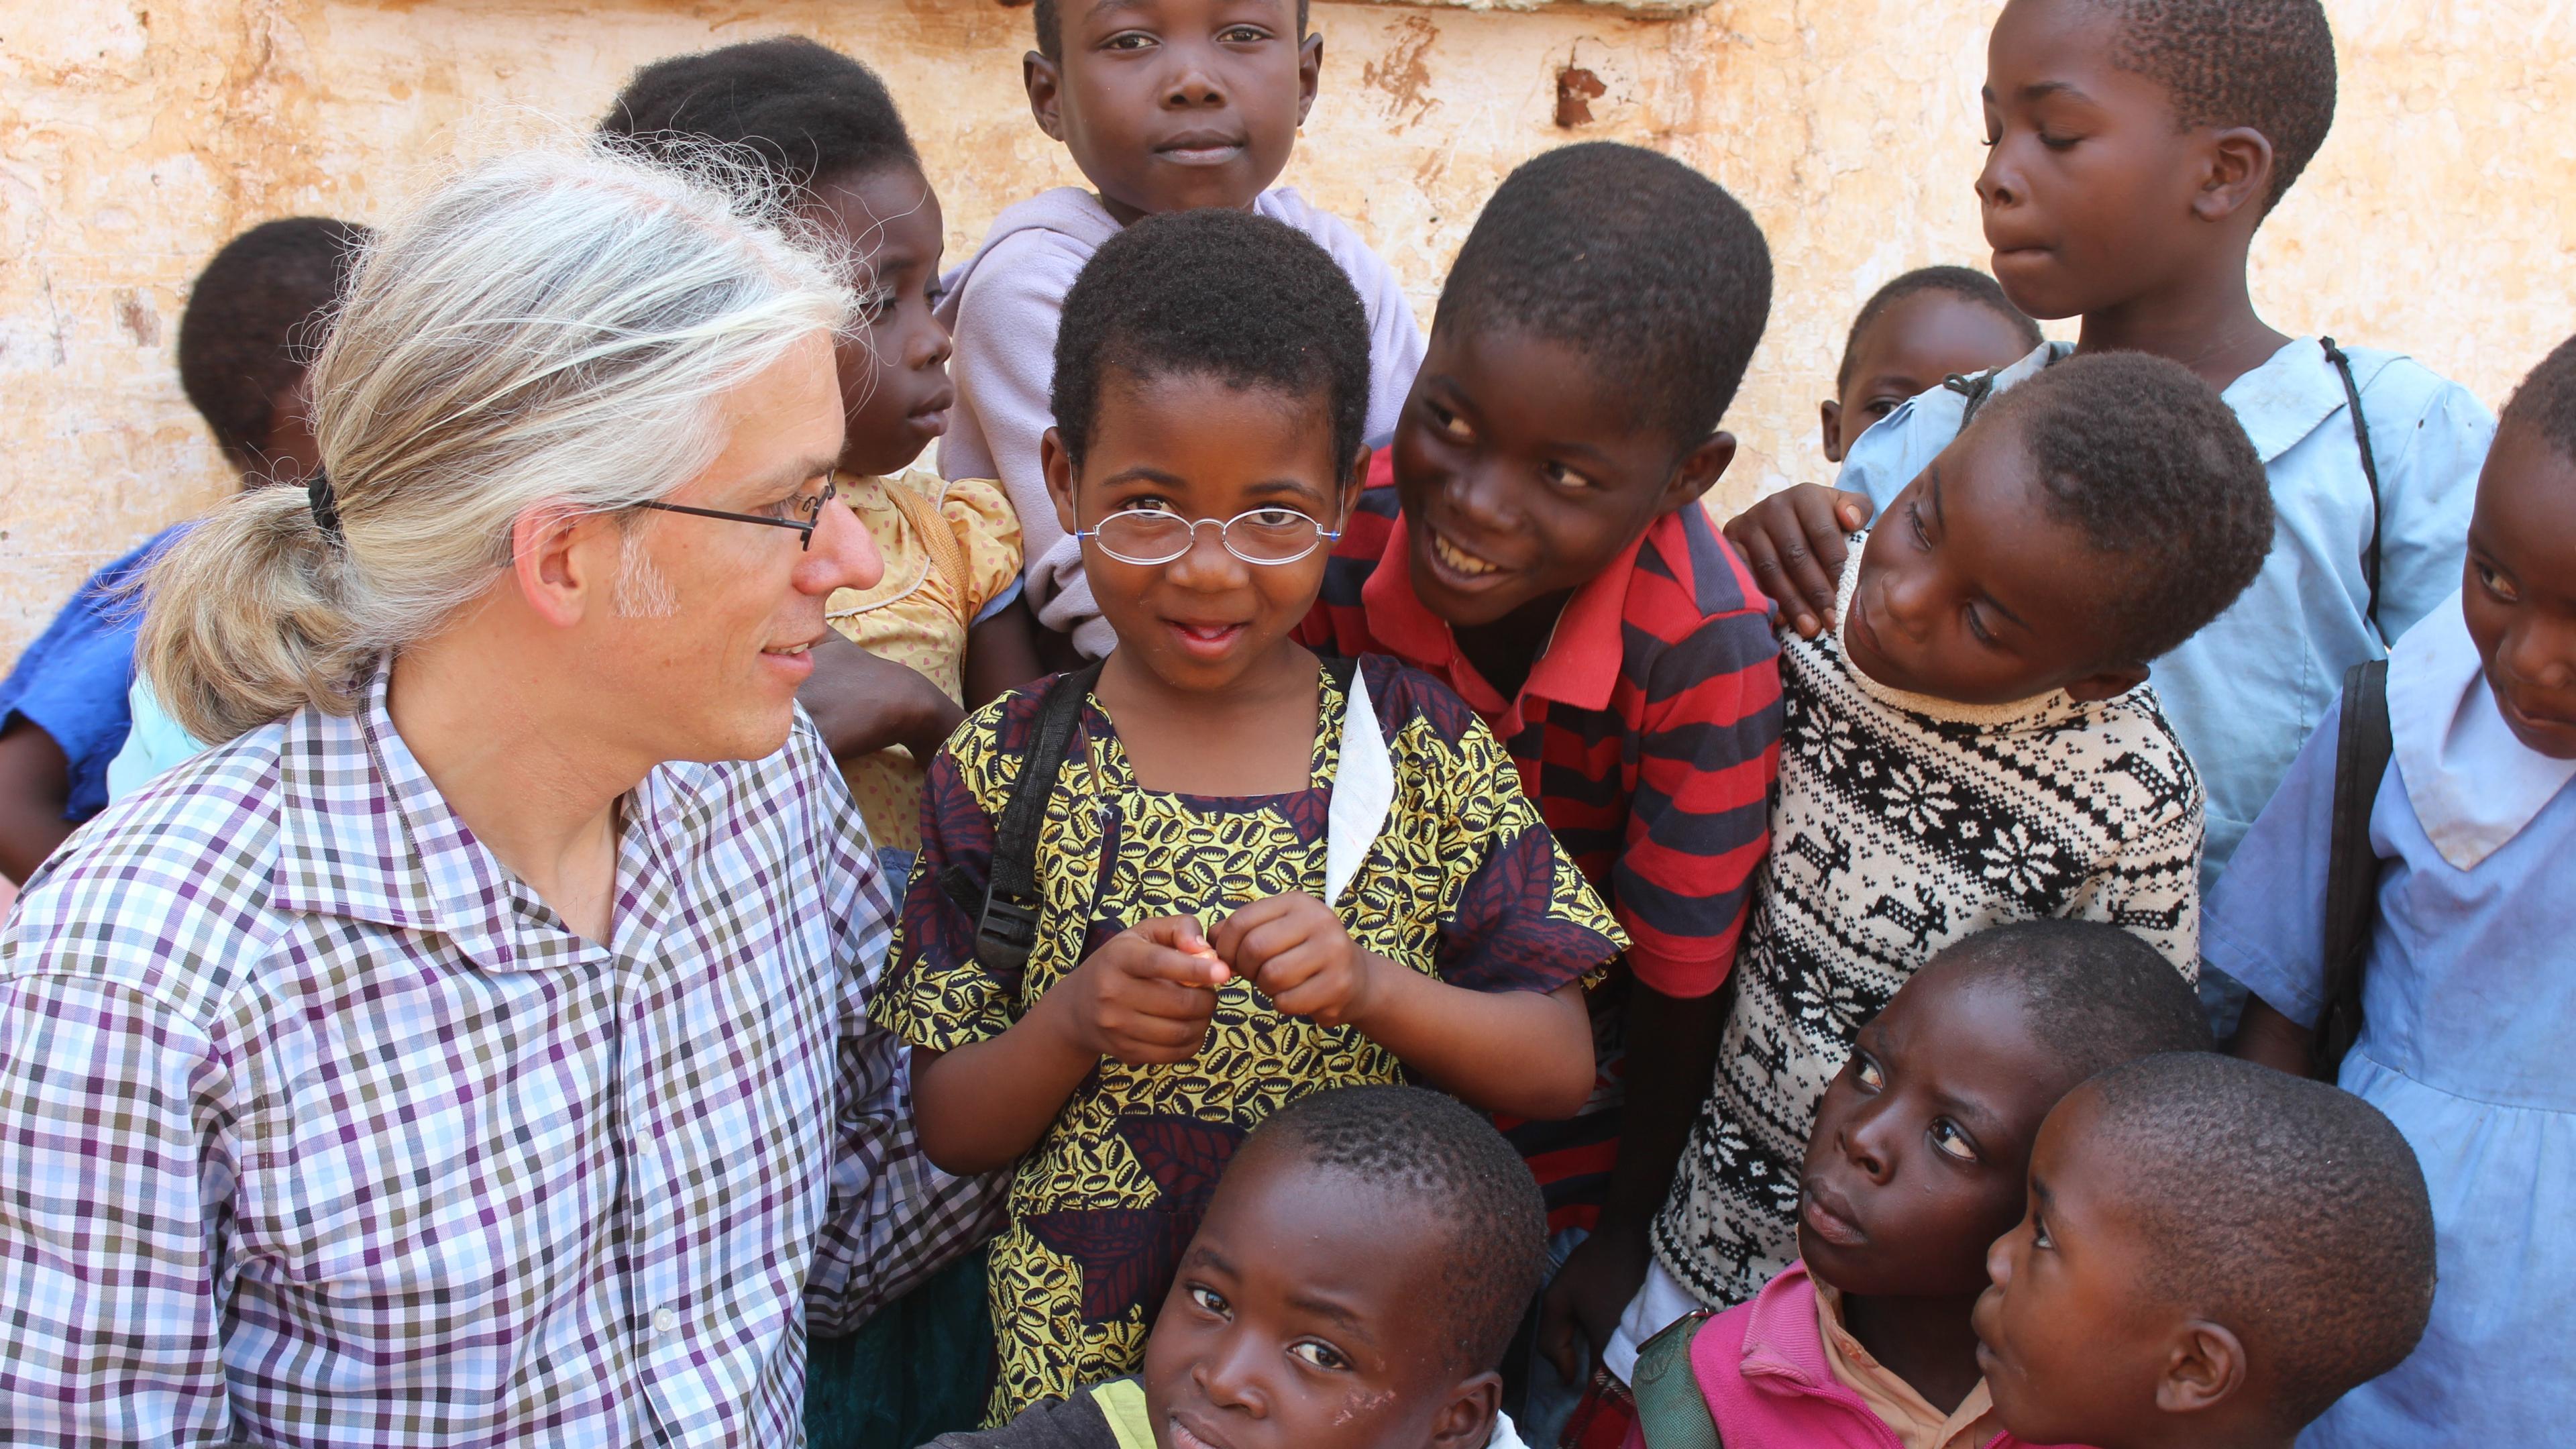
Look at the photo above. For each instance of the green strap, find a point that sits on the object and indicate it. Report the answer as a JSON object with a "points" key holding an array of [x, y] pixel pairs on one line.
{"points": [[1672, 1413], [1122, 1403]]}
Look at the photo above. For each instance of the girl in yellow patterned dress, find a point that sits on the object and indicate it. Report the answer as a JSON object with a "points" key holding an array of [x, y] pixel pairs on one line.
{"points": [[1258, 876]]}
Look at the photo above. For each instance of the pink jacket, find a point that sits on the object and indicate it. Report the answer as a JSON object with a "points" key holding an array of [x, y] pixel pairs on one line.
{"points": [[1762, 1367]]}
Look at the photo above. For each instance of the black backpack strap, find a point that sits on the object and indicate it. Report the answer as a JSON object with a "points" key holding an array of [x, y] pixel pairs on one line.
{"points": [[2369, 471], [1007, 910], [1975, 389], [2362, 749]]}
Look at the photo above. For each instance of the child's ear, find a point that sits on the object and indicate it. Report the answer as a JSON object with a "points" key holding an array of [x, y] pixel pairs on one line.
{"points": [[1043, 79], [1467, 1420], [1310, 74], [2205, 1368], [2109, 684], [1698, 472], [1354, 483], [1831, 410], [2238, 174], [1058, 467]]}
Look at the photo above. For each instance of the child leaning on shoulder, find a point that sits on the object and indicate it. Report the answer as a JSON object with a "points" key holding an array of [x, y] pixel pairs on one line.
{"points": [[2214, 1253], [2465, 990], [1258, 877], [1974, 744], [1165, 107], [1918, 1162]]}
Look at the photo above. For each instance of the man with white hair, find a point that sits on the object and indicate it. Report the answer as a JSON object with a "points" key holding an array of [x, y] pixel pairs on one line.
{"points": [[475, 1047]]}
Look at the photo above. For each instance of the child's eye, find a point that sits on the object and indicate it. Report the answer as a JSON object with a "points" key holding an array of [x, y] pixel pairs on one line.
{"points": [[1952, 1142], [1880, 407], [1127, 40], [1565, 477], [1451, 426], [875, 307], [1869, 1075], [1319, 1355], [1276, 518], [2494, 582], [1914, 521], [1242, 34], [1977, 626], [2039, 1237], [2058, 143], [1209, 1299]]}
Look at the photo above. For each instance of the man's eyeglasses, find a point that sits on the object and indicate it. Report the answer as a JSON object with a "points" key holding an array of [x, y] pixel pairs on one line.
{"points": [[807, 514], [1148, 536]]}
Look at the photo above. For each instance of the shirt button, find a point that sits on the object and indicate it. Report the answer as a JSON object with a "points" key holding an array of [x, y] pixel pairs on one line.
{"points": [[665, 1320]]}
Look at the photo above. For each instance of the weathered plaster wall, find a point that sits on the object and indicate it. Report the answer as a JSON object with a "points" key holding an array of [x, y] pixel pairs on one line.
{"points": [[135, 135]]}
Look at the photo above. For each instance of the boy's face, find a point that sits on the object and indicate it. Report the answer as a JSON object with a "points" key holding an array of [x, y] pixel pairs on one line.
{"points": [[2072, 1344], [2092, 193], [2519, 592], [1307, 1315], [1922, 1145], [1521, 478], [894, 361], [1910, 348], [1196, 446], [1171, 105], [1971, 591]]}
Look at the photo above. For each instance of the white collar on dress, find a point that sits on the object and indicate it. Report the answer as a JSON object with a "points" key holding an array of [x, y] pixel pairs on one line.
{"points": [[2474, 786], [1363, 791]]}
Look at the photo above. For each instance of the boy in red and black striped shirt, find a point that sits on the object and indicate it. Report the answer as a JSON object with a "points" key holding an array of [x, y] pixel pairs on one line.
{"points": [[1533, 537]]}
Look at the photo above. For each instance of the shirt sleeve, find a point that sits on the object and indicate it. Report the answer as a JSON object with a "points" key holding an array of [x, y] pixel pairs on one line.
{"points": [[892, 1219], [937, 994], [2428, 485], [1699, 821], [1524, 919], [1896, 449], [72, 686], [116, 1173], [988, 534], [2267, 920], [2151, 888]]}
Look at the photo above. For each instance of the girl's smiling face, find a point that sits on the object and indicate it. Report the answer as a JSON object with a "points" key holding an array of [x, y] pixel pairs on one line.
{"points": [[1200, 447]]}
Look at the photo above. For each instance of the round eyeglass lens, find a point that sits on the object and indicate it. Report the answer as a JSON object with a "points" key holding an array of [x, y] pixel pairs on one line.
{"points": [[1143, 536], [1272, 535]]}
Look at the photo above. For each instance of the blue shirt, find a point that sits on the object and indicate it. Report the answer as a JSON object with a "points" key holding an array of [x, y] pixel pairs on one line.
{"points": [[2245, 692], [71, 682], [2468, 991]]}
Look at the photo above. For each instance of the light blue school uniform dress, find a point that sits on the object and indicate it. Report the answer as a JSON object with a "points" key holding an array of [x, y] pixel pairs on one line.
{"points": [[155, 743], [2468, 999], [2246, 692]]}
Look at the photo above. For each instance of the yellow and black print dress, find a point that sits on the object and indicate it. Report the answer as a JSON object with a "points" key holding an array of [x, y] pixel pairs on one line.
{"points": [[1463, 883]]}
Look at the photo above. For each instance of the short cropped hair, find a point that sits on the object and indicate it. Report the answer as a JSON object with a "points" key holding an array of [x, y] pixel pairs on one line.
{"points": [[1050, 23], [1648, 269], [2288, 1210], [1965, 283], [2267, 64], [803, 112], [1447, 1163], [2546, 401], [1216, 293], [254, 322], [2143, 457], [2094, 995]]}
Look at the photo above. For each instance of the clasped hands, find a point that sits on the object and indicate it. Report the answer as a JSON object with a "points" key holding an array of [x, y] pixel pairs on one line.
{"points": [[1146, 996]]}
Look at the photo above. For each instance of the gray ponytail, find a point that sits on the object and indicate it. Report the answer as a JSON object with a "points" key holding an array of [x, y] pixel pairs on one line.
{"points": [[549, 329]]}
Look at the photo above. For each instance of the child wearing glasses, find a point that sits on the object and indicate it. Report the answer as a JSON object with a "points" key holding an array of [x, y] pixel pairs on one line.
{"points": [[1256, 877]]}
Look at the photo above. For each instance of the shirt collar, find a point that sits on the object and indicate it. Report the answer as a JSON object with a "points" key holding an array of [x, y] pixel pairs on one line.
{"points": [[2473, 784], [1888, 1396], [1578, 668], [2290, 395], [364, 834]]}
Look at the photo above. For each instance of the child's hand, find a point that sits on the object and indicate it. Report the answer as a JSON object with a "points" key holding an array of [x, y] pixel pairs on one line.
{"points": [[1146, 996], [862, 703], [1793, 542], [1294, 948]]}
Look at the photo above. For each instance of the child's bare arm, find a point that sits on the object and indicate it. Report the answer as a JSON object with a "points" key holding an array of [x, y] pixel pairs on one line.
{"points": [[35, 784], [1793, 542], [1001, 654], [1527, 1053], [2267, 1036], [863, 703], [1145, 997]]}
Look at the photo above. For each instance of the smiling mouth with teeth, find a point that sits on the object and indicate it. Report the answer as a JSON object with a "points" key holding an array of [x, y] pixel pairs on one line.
{"points": [[1459, 559]]}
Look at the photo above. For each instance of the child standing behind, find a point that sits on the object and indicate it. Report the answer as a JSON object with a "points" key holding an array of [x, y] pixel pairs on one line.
{"points": [[1165, 107], [940, 633], [2467, 992], [1258, 878], [1533, 537], [1927, 325], [2133, 151], [1974, 743]]}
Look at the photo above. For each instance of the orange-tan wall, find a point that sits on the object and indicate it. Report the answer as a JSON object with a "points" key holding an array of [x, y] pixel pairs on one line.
{"points": [[136, 135]]}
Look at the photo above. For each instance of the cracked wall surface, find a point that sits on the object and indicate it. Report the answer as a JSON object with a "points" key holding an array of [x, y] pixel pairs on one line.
{"points": [[136, 135]]}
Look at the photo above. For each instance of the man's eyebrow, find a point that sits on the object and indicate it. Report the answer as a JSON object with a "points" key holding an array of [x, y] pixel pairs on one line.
{"points": [[787, 479]]}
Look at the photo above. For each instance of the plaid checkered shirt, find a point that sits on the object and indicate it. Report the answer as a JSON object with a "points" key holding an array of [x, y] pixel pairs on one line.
{"points": [[318, 1127]]}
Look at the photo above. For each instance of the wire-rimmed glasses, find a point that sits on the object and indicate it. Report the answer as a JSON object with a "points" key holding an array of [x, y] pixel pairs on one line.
{"points": [[1148, 536], [808, 514]]}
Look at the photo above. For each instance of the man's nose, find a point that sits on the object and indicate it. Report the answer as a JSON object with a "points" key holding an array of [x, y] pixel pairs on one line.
{"points": [[840, 555]]}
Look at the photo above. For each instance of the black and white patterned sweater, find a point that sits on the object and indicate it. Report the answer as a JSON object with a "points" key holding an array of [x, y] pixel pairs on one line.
{"points": [[1903, 823]]}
